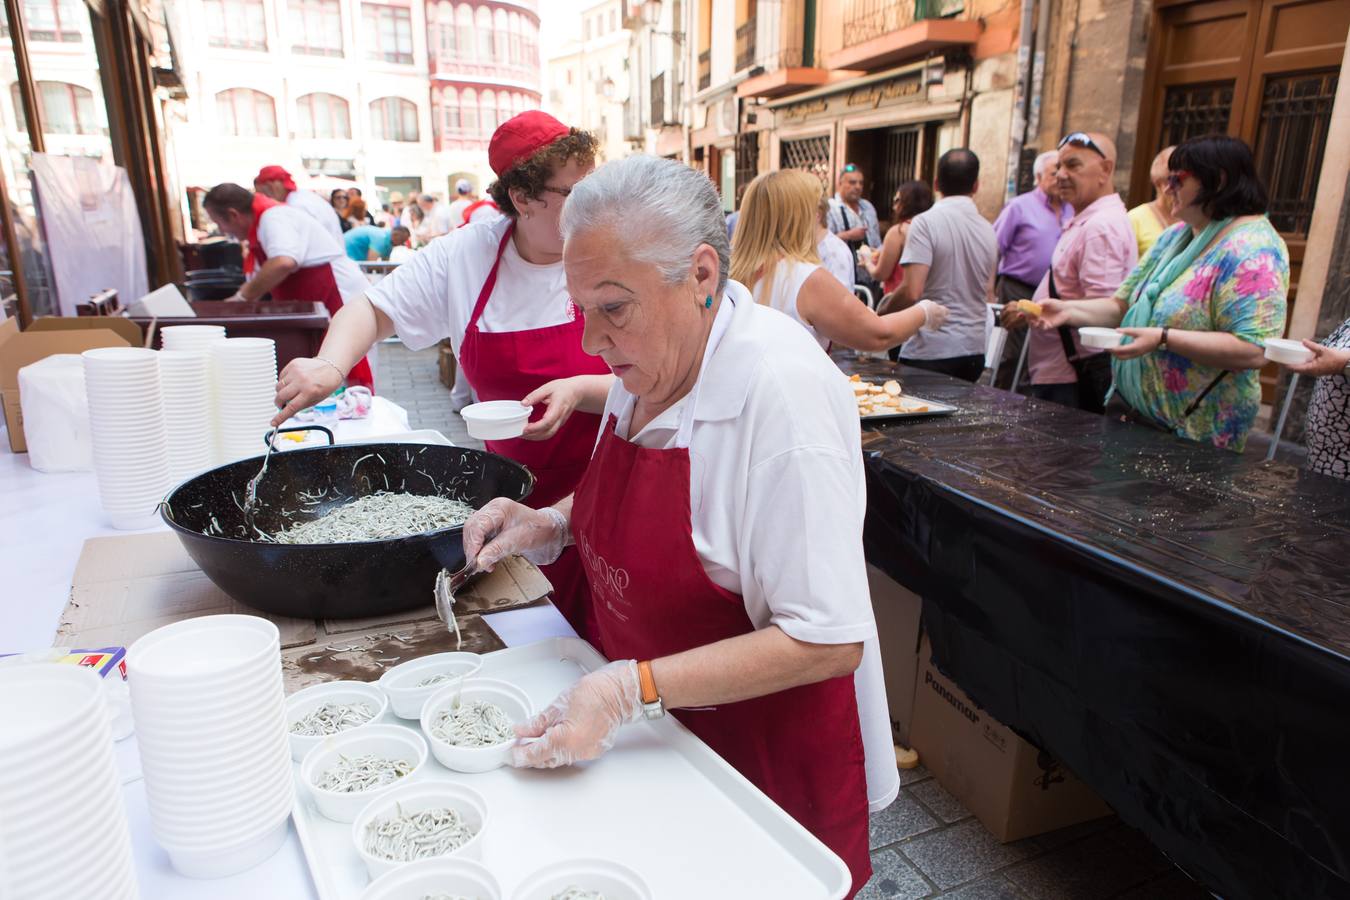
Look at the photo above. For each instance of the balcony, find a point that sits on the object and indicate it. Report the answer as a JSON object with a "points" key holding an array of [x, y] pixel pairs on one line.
{"points": [[658, 101], [705, 70], [745, 43], [784, 59], [881, 33]]}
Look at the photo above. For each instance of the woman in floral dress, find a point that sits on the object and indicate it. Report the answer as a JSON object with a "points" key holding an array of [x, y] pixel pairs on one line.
{"points": [[1200, 306]]}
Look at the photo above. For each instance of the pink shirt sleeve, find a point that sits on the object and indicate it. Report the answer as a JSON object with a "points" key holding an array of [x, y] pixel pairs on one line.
{"points": [[1107, 257]]}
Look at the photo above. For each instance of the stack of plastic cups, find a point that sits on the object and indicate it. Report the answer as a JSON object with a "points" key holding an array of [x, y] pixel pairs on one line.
{"points": [[63, 827], [130, 440], [189, 411], [211, 725], [246, 388], [191, 337]]}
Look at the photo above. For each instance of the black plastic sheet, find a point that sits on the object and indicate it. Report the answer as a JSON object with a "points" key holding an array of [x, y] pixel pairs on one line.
{"points": [[1170, 620]]}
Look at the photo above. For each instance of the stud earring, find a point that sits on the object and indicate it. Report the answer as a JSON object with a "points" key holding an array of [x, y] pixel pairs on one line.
{"points": [[707, 304]]}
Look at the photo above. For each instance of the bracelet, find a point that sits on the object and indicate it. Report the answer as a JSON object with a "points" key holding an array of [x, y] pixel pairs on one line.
{"points": [[341, 374]]}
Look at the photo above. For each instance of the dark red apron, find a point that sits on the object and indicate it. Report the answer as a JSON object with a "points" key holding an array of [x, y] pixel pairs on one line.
{"points": [[310, 283], [508, 365], [652, 598]]}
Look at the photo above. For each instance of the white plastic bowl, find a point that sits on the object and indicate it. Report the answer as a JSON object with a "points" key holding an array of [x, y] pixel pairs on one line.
{"points": [[415, 798], [615, 881], [206, 648], [442, 875], [386, 741], [1101, 338], [496, 420], [512, 700], [45, 702], [221, 862], [303, 702], [1285, 351], [400, 682]]}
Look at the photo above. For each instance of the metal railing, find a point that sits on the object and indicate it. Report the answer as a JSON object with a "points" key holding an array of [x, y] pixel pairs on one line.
{"points": [[745, 43], [868, 19], [705, 70], [659, 100]]}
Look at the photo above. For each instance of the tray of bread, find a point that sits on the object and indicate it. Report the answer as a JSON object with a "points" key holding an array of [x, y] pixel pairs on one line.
{"points": [[888, 400]]}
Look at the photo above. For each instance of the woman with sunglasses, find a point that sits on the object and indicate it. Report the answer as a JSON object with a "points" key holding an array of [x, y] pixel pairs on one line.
{"points": [[1200, 306], [498, 292]]}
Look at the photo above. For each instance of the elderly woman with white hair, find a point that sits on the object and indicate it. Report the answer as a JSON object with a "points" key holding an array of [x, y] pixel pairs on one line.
{"points": [[720, 520]]}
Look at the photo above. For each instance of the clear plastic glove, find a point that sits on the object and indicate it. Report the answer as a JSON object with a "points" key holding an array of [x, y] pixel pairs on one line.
{"points": [[560, 398], [304, 382], [934, 314], [584, 721], [505, 528]]}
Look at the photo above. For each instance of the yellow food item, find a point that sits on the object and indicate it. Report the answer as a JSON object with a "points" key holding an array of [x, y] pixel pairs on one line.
{"points": [[855, 378], [1029, 307]]}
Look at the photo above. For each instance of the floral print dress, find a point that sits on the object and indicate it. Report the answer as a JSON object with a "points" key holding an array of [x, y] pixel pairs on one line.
{"points": [[1238, 286]]}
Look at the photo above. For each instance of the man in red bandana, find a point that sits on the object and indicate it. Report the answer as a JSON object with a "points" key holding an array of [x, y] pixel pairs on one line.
{"points": [[277, 183], [290, 256]]}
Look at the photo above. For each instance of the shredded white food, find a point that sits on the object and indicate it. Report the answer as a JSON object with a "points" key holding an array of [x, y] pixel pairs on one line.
{"points": [[330, 718], [352, 776], [377, 516], [575, 893], [408, 836], [475, 723]]}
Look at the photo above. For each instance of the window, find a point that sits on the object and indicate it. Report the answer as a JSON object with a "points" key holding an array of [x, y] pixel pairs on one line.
{"points": [[246, 113], [394, 119], [515, 40], [450, 124], [236, 24], [317, 26], [52, 20], [487, 104], [1291, 137], [464, 31], [483, 22], [503, 106], [448, 37], [468, 108], [66, 109], [389, 30], [499, 35], [322, 116]]}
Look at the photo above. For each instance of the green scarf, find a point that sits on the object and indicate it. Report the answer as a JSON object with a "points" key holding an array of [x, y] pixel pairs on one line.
{"points": [[1127, 374]]}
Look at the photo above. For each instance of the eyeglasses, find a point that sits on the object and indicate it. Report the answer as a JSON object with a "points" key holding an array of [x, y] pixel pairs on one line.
{"points": [[1175, 179], [561, 192], [1082, 139]]}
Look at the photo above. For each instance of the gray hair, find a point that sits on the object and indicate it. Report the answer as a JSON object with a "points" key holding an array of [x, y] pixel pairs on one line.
{"points": [[662, 210], [1048, 158]]}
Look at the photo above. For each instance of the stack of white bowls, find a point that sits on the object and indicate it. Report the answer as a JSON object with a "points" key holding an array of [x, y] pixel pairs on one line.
{"points": [[246, 388], [189, 411], [190, 337], [63, 828], [207, 698], [130, 440]]}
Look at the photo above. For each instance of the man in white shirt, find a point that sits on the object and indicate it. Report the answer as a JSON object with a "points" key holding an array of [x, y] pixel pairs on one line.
{"points": [[290, 255], [435, 220], [464, 195], [853, 219], [949, 257], [277, 183]]}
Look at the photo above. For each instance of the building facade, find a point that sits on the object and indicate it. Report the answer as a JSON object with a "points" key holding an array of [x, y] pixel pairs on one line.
{"points": [[587, 80]]}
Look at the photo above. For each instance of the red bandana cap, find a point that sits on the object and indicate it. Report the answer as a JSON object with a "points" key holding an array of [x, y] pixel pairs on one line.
{"points": [[275, 173], [522, 136]]}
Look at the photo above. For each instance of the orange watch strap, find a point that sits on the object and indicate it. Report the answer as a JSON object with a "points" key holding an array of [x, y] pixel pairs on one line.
{"points": [[647, 682]]}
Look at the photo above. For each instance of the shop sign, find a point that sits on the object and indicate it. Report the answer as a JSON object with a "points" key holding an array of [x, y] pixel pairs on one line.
{"points": [[901, 89], [897, 89]]}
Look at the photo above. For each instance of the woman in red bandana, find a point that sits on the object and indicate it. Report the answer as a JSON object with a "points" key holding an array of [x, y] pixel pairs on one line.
{"points": [[498, 292]]}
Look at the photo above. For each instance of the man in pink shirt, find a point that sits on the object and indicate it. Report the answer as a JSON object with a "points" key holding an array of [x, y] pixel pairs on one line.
{"points": [[1092, 257]]}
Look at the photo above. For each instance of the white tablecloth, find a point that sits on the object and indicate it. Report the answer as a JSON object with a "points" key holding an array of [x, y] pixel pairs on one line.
{"points": [[44, 521]]}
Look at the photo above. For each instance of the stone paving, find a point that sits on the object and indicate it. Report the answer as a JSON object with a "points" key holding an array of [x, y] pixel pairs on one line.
{"points": [[925, 844]]}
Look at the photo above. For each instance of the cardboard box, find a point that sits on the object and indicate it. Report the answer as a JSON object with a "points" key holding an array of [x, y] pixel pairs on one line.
{"points": [[1013, 788], [46, 337], [897, 613]]}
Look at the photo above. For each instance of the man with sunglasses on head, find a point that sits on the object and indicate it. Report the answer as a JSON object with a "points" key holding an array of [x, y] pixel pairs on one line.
{"points": [[853, 219], [1095, 253]]}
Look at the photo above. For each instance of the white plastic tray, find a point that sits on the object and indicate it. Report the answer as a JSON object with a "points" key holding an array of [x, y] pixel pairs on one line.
{"points": [[934, 409], [660, 802]]}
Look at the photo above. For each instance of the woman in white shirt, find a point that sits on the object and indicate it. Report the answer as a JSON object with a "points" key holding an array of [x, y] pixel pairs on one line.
{"points": [[499, 293], [774, 254], [720, 520]]}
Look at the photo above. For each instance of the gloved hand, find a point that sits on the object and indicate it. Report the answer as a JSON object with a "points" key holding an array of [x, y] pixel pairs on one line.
{"points": [[504, 528], [584, 721], [934, 314]]}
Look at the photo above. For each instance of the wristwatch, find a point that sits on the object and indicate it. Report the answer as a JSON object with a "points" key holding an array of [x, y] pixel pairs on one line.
{"points": [[652, 707], [1162, 344]]}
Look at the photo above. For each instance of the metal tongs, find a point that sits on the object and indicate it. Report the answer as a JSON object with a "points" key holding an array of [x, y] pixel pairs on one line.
{"points": [[450, 583], [251, 490]]}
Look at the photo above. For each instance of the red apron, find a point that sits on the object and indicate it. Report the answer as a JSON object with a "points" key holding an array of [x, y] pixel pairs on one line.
{"points": [[652, 598], [508, 365], [309, 283]]}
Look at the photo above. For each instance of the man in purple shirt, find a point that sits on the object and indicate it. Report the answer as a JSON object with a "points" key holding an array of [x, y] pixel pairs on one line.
{"points": [[1027, 230]]}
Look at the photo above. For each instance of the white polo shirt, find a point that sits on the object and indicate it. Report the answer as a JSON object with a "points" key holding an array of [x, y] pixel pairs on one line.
{"points": [[311, 204], [285, 231], [778, 497], [431, 296]]}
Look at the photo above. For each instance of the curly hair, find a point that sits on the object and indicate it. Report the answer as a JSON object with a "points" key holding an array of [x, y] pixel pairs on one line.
{"points": [[532, 174]]}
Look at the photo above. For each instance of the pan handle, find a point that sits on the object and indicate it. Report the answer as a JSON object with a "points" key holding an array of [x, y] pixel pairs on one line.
{"points": [[267, 438]]}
